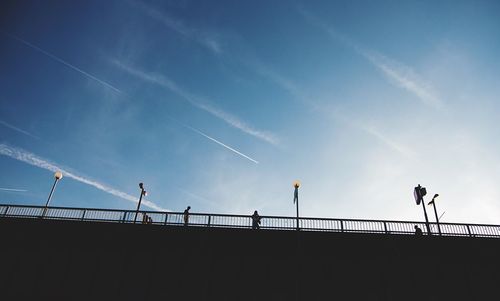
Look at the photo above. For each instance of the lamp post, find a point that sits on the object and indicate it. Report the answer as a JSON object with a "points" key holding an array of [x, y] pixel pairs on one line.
{"points": [[57, 176], [143, 193], [296, 185], [435, 212]]}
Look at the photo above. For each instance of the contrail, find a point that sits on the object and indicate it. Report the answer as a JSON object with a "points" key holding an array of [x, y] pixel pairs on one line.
{"points": [[10, 126], [64, 62], [220, 143], [13, 189], [32, 159]]}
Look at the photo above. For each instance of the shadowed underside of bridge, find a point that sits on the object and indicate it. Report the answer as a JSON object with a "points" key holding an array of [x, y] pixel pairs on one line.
{"points": [[68, 260]]}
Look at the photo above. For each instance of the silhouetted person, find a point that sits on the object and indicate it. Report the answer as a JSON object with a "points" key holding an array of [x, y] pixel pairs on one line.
{"points": [[150, 220], [145, 218], [418, 231], [255, 220], [186, 215]]}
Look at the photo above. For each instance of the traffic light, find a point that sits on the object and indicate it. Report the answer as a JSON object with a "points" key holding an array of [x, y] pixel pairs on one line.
{"points": [[419, 192]]}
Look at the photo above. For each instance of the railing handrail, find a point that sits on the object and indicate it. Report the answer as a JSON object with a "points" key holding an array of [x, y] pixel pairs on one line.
{"points": [[278, 222]]}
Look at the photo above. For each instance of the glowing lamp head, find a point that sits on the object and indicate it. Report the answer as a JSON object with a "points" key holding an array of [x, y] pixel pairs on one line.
{"points": [[435, 196], [296, 183], [58, 175]]}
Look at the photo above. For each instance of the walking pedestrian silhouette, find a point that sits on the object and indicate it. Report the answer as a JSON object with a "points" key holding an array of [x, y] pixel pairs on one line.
{"points": [[186, 215], [256, 220]]}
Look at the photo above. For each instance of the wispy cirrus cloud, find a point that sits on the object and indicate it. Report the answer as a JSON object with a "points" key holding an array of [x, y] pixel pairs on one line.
{"points": [[202, 37], [278, 79], [65, 63], [398, 73], [15, 128], [200, 103], [212, 41], [32, 159], [404, 77], [375, 133]]}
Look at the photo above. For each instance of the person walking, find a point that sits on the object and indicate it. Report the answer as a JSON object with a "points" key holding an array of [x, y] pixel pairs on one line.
{"points": [[186, 215], [256, 220]]}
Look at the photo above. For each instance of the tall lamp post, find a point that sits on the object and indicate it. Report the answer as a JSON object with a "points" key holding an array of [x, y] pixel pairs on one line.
{"points": [[419, 192], [57, 176], [143, 193], [435, 212], [296, 185]]}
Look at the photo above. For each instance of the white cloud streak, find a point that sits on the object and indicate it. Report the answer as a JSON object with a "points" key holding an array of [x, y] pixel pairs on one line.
{"points": [[32, 159], [374, 132], [387, 141], [10, 126], [88, 75], [278, 79], [404, 77], [397, 73], [201, 37], [13, 189], [200, 103], [209, 40], [222, 144]]}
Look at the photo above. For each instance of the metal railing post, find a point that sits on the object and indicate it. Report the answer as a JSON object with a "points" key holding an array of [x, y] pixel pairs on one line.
{"points": [[83, 214], [341, 226], [166, 218], [468, 230], [385, 228], [208, 224]]}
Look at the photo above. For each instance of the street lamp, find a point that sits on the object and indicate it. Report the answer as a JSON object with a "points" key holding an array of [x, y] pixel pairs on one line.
{"points": [[57, 176], [435, 212], [296, 185], [419, 192], [143, 193]]}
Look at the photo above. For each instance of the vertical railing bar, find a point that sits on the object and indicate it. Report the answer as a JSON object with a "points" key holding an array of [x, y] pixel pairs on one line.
{"points": [[83, 215], [208, 224]]}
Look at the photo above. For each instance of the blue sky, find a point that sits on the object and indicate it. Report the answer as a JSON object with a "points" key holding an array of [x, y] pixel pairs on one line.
{"points": [[221, 105]]}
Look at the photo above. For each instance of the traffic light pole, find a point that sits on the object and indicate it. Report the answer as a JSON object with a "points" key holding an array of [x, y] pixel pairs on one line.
{"points": [[426, 218]]}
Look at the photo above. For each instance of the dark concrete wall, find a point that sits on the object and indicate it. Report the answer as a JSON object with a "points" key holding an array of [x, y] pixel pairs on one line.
{"points": [[61, 260]]}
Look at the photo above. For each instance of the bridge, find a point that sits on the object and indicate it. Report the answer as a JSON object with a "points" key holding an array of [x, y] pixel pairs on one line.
{"points": [[99, 254]]}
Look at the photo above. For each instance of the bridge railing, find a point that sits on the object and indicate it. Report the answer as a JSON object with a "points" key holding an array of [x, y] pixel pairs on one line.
{"points": [[245, 221]]}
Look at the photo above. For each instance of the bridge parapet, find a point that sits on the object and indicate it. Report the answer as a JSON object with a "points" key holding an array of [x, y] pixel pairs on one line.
{"points": [[245, 221]]}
